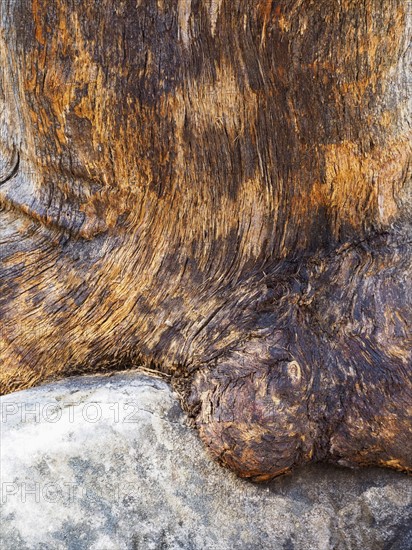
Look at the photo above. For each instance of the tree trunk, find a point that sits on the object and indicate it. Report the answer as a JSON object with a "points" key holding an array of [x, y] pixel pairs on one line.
{"points": [[219, 189]]}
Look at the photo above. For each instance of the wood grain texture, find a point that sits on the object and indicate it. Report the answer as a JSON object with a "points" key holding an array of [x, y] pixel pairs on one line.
{"points": [[220, 190]]}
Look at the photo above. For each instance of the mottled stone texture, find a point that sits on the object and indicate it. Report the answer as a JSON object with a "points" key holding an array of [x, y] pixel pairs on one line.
{"points": [[141, 480], [221, 191]]}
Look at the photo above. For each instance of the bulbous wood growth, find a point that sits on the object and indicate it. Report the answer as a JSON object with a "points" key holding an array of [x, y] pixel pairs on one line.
{"points": [[220, 189]]}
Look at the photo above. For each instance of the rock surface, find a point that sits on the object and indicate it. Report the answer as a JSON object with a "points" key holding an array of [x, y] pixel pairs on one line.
{"points": [[106, 463]]}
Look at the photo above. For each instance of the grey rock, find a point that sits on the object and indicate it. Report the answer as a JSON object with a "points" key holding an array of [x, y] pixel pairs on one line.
{"points": [[105, 463]]}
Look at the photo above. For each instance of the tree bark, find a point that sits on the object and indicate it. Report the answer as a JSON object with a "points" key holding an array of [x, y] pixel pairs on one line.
{"points": [[220, 190]]}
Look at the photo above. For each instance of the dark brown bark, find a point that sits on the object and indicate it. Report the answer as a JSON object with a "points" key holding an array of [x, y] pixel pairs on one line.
{"points": [[222, 190]]}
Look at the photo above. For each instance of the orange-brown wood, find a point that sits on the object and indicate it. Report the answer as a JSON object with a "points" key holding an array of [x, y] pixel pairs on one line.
{"points": [[220, 190]]}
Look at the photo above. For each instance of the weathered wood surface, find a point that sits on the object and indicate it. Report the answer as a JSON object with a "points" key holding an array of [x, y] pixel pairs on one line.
{"points": [[222, 191]]}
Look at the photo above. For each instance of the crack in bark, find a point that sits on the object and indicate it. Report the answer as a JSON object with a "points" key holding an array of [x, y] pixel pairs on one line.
{"points": [[15, 162]]}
